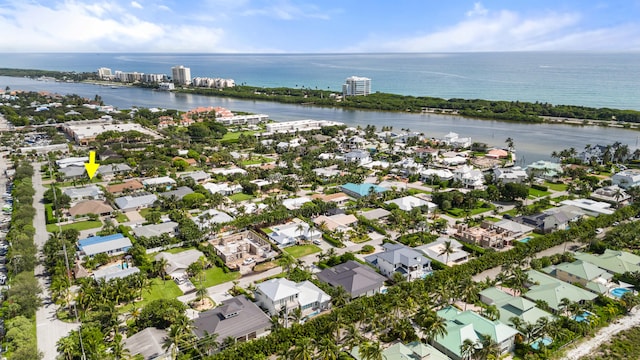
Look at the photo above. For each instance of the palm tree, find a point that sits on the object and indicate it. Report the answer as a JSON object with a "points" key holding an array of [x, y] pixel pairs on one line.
{"points": [[352, 337], [434, 327], [286, 261], [304, 349], [468, 349], [371, 350], [327, 349], [117, 349], [447, 249], [490, 349], [208, 343], [201, 294], [564, 305]]}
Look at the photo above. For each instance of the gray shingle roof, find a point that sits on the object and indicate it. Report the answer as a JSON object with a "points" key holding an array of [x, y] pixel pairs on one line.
{"points": [[355, 278], [235, 318]]}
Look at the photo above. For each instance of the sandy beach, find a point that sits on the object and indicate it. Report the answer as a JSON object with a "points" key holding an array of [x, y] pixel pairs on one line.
{"points": [[587, 346]]}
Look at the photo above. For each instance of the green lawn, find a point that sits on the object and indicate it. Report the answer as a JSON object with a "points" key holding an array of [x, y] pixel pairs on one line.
{"points": [[122, 218], [555, 187], [298, 251], [240, 197], [535, 193], [83, 225], [215, 276], [176, 250], [232, 137], [159, 289], [457, 212]]}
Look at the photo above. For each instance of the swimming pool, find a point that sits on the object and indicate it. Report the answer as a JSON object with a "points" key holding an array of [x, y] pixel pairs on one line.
{"points": [[525, 240], [582, 317], [618, 292], [546, 341]]}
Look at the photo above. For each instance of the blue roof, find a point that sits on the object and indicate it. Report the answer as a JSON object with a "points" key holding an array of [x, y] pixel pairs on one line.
{"points": [[99, 239], [362, 189]]}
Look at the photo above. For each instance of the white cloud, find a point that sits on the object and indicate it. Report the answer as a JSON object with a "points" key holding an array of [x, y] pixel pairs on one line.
{"points": [[164, 7], [285, 10], [478, 10], [136, 5], [100, 26], [505, 30]]}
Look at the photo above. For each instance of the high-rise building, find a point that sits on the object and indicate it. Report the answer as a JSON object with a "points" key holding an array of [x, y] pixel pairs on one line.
{"points": [[181, 75], [104, 73], [356, 85]]}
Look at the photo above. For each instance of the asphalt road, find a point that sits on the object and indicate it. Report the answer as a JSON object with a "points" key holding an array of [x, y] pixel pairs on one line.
{"points": [[48, 328]]}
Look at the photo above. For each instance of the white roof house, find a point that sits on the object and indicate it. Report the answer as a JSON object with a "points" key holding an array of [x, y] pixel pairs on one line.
{"points": [[85, 192], [277, 294], [223, 189], [169, 227], [591, 207], [627, 178], [211, 217], [510, 175], [178, 263], [72, 161], [289, 234], [470, 177], [441, 174], [131, 202], [164, 180], [409, 203], [295, 203]]}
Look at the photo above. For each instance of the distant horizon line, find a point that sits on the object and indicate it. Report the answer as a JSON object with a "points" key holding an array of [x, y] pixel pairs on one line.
{"points": [[332, 53]]}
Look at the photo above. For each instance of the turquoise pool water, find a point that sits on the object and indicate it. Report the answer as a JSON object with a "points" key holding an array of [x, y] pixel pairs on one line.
{"points": [[618, 292], [525, 240], [582, 317], [546, 341]]}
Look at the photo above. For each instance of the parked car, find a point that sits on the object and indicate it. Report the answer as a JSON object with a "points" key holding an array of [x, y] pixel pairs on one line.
{"points": [[248, 261]]}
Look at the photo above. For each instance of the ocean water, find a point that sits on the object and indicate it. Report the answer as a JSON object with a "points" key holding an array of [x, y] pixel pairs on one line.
{"points": [[577, 78]]}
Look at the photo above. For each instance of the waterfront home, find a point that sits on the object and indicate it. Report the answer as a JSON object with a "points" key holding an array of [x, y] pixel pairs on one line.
{"points": [[236, 318], [552, 291], [584, 273], [415, 350], [281, 295], [112, 245], [356, 279], [510, 306], [613, 261], [409, 263], [468, 325], [510, 175], [545, 170], [435, 251], [454, 140]]}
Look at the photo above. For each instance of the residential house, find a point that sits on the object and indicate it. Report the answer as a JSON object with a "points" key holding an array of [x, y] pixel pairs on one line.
{"points": [[295, 203], [127, 186], [229, 171], [612, 194], [281, 294], [411, 264], [149, 344], [415, 350], [358, 157], [211, 217], [510, 175], [163, 181], [154, 230], [432, 175], [613, 261], [356, 142], [510, 306], [375, 214], [73, 172], [454, 140], [357, 279], [497, 154], [112, 245], [552, 291], [409, 203], [463, 325], [427, 153], [436, 251], [176, 194], [135, 201], [109, 171], [198, 176], [544, 170], [552, 219], [361, 190], [626, 178], [236, 318], [469, 177], [339, 198], [492, 235], [90, 192], [177, 263], [293, 232], [584, 273], [72, 161], [225, 189], [97, 207], [338, 222], [115, 272], [590, 207]]}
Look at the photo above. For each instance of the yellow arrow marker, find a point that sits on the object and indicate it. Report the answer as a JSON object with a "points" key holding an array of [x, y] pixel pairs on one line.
{"points": [[91, 166]]}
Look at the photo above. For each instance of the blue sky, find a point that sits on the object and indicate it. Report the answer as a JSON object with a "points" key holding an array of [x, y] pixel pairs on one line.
{"points": [[288, 26]]}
